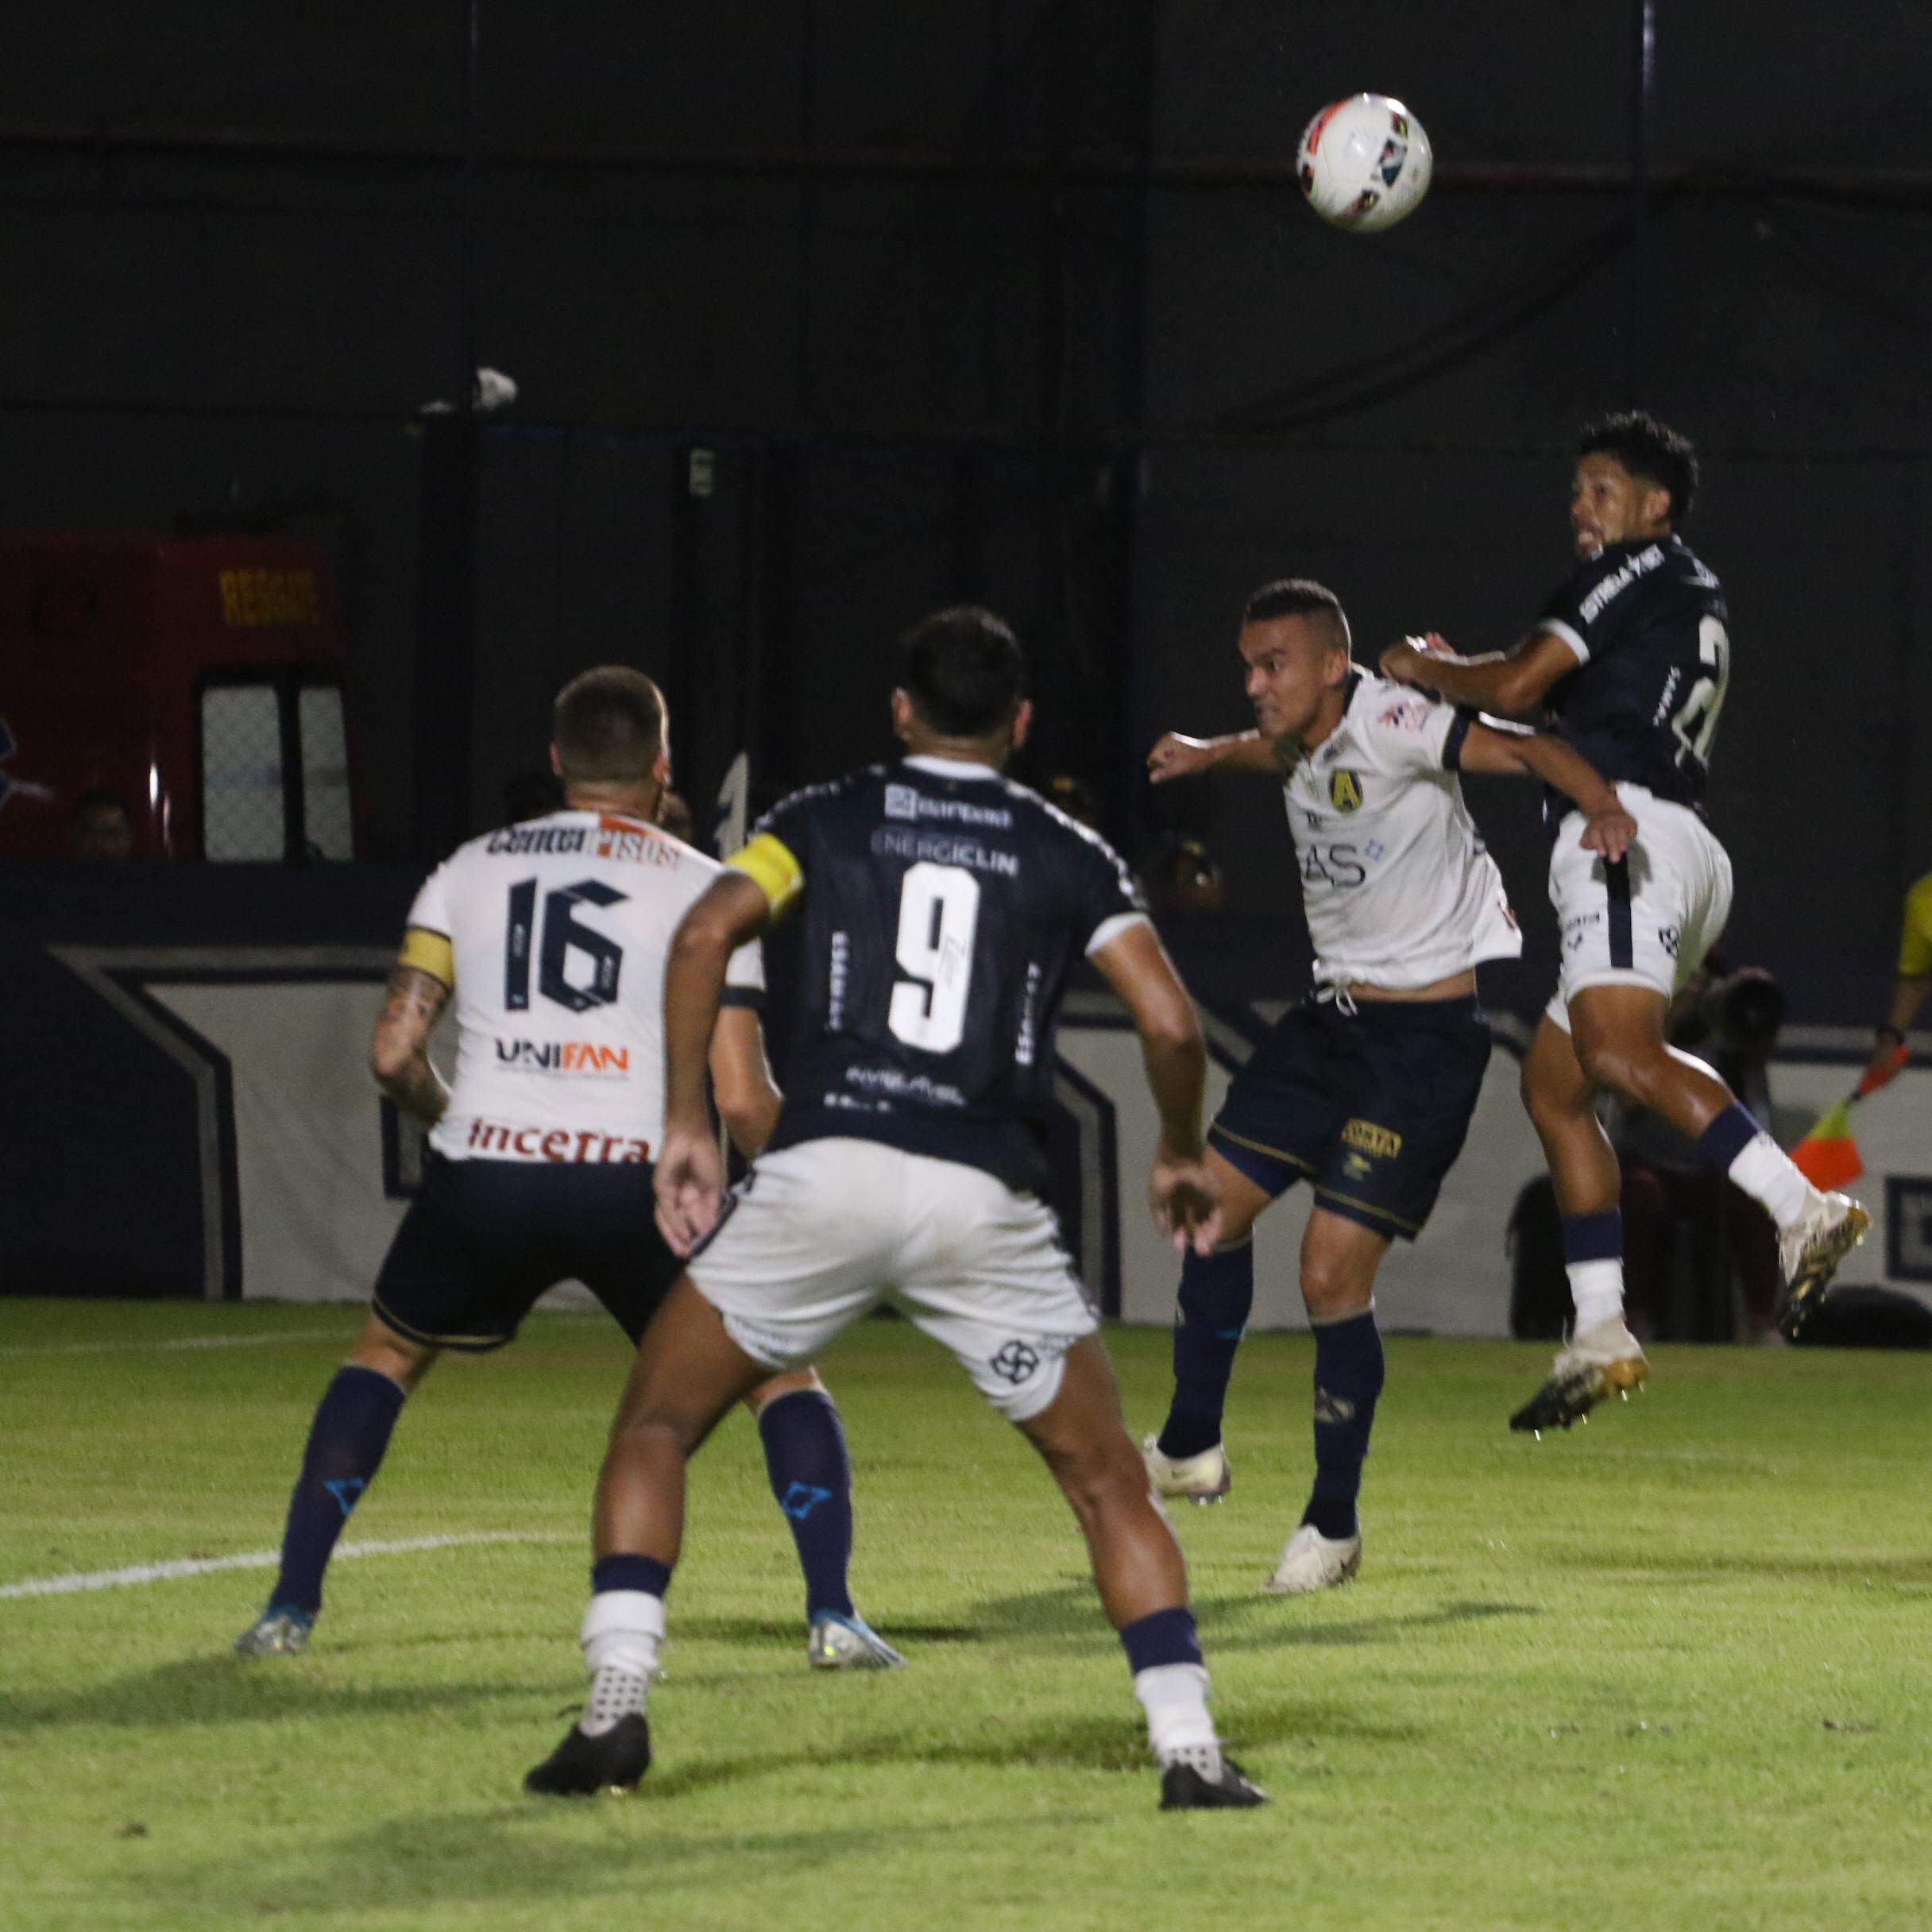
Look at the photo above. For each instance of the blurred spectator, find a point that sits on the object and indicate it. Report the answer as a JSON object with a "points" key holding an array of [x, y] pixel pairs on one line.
{"points": [[675, 816], [1914, 977], [1186, 880], [101, 828], [1076, 799], [531, 795]]}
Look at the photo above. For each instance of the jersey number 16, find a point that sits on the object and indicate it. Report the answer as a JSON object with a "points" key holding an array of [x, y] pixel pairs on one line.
{"points": [[563, 935]]}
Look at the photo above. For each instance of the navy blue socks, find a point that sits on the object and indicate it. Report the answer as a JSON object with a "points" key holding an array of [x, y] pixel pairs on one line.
{"points": [[805, 1457], [642, 1573], [1348, 1378], [1166, 1636], [1217, 1291], [1726, 1138], [345, 1446]]}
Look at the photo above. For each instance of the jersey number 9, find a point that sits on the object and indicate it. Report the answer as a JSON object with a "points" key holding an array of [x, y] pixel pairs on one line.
{"points": [[939, 909]]}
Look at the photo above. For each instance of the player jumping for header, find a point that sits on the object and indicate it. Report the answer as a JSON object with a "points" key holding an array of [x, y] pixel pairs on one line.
{"points": [[1364, 1089], [938, 909], [552, 935], [1632, 657]]}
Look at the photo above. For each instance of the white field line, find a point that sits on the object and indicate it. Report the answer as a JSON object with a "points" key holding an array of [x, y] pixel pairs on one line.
{"points": [[191, 1341], [77, 1580]]}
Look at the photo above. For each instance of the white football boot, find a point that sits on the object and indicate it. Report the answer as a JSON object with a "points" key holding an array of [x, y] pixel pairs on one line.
{"points": [[1310, 1561], [1203, 1478], [1809, 1254], [1602, 1361], [839, 1643]]}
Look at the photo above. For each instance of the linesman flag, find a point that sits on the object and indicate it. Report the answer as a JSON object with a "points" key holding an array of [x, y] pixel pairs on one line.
{"points": [[1828, 1156]]}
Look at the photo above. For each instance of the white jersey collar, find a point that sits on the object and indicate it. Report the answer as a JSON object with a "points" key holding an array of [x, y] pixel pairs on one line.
{"points": [[952, 767]]}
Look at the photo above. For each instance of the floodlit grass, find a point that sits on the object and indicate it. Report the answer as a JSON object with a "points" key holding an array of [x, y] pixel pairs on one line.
{"points": [[1670, 1670]]}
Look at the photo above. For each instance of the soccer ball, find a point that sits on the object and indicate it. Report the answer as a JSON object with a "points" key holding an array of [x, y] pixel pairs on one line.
{"points": [[1364, 163]]}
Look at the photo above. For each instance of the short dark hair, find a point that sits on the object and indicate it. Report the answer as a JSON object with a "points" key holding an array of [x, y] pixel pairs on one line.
{"points": [[963, 669], [609, 726], [1647, 449], [1300, 596]]}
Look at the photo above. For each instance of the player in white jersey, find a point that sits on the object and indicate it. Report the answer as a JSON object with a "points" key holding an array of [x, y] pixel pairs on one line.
{"points": [[551, 935], [1632, 658], [1365, 1088]]}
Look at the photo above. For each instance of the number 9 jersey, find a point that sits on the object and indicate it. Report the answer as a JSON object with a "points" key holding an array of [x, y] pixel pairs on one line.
{"points": [[553, 934], [942, 908]]}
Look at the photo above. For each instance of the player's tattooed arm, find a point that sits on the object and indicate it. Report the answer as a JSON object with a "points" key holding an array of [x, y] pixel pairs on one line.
{"points": [[399, 1055], [1515, 683], [1179, 756], [1608, 829]]}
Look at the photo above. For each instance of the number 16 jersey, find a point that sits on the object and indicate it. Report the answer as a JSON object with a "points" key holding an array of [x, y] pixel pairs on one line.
{"points": [[554, 934], [940, 908]]}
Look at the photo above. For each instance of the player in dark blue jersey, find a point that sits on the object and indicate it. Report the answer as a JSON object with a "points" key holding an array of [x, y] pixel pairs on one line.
{"points": [[1631, 659], [939, 909]]}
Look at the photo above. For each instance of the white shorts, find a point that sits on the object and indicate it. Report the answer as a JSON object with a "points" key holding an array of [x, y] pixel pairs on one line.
{"points": [[818, 1235], [1648, 922]]}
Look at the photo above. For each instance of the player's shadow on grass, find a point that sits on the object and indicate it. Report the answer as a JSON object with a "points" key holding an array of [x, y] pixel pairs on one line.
{"points": [[784, 1632], [1693, 1566], [1106, 1741], [225, 1689], [565, 1849], [1248, 1622], [1267, 1626]]}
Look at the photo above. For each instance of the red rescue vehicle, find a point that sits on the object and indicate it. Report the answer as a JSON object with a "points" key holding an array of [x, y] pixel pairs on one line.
{"points": [[202, 681]]}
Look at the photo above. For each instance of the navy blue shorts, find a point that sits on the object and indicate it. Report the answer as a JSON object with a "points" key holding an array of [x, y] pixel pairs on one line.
{"points": [[485, 1238], [1372, 1106]]}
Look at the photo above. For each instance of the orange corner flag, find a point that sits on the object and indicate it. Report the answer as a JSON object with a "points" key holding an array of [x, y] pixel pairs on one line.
{"points": [[1828, 1156]]}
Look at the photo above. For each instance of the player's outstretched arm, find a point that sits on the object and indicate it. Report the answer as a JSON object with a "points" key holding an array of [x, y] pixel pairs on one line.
{"points": [[1179, 756], [689, 1181], [398, 1054], [1180, 1191], [1514, 682], [1608, 829]]}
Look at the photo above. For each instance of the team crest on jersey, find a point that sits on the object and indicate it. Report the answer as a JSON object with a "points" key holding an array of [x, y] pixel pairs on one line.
{"points": [[1345, 790]]}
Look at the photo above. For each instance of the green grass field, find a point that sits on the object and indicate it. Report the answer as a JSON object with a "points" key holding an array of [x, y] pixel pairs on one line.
{"points": [[1671, 1670]]}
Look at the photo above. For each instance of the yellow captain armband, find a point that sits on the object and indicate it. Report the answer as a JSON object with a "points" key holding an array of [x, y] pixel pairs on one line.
{"points": [[1915, 942], [768, 864], [429, 952]]}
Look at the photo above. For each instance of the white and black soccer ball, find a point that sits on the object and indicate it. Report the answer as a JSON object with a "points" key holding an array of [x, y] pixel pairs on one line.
{"points": [[1364, 163]]}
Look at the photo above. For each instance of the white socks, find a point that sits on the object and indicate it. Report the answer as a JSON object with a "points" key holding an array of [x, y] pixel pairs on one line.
{"points": [[1764, 1171], [1597, 1288], [1175, 1698], [623, 1629]]}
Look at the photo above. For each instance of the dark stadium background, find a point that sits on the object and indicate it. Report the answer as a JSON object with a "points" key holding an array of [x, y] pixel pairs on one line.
{"points": [[1015, 300]]}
